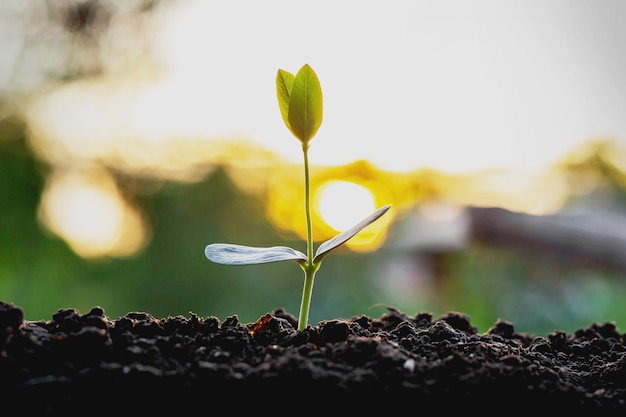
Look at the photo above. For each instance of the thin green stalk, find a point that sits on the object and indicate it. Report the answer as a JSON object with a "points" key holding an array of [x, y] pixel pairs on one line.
{"points": [[309, 267], [307, 204], [309, 278]]}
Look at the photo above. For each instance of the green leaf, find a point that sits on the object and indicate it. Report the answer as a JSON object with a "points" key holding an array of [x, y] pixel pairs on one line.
{"points": [[342, 238], [229, 254], [284, 81], [305, 104]]}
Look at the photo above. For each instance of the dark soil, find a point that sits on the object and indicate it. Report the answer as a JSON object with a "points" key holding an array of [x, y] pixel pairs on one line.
{"points": [[88, 363]]}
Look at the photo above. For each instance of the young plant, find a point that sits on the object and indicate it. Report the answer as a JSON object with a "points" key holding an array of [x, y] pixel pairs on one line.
{"points": [[300, 103]]}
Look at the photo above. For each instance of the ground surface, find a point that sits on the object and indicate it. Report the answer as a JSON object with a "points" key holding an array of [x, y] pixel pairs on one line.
{"points": [[86, 362]]}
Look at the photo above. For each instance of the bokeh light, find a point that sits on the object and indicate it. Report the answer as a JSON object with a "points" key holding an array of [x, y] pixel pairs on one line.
{"points": [[341, 204], [88, 212]]}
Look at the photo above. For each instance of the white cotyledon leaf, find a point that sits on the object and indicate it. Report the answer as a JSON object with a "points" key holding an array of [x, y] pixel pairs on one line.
{"points": [[230, 254], [342, 238]]}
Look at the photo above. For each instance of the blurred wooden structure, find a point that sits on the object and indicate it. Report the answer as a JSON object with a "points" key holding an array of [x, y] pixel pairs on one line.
{"points": [[585, 239]]}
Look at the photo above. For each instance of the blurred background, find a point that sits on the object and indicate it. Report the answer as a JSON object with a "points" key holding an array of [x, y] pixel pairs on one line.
{"points": [[135, 132]]}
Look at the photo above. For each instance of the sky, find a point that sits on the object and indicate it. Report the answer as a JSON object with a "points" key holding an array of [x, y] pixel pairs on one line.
{"points": [[453, 85]]}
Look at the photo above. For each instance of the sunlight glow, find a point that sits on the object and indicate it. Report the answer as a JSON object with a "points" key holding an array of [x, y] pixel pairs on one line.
{"points": [[86, 210], [542, 193], [343, 204], [103, 121]]}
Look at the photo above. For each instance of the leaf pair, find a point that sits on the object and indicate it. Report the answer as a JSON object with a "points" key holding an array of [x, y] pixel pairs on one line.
{"points": [[231, 254], [300, 102]]}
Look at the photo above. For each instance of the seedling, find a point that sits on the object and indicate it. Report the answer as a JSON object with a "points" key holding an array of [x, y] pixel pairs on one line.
{"points": [[300, 103]]}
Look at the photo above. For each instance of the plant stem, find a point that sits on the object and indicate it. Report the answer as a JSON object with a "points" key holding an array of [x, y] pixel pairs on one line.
{"points": [[307, 205], [309, 267], [309, 278]]}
